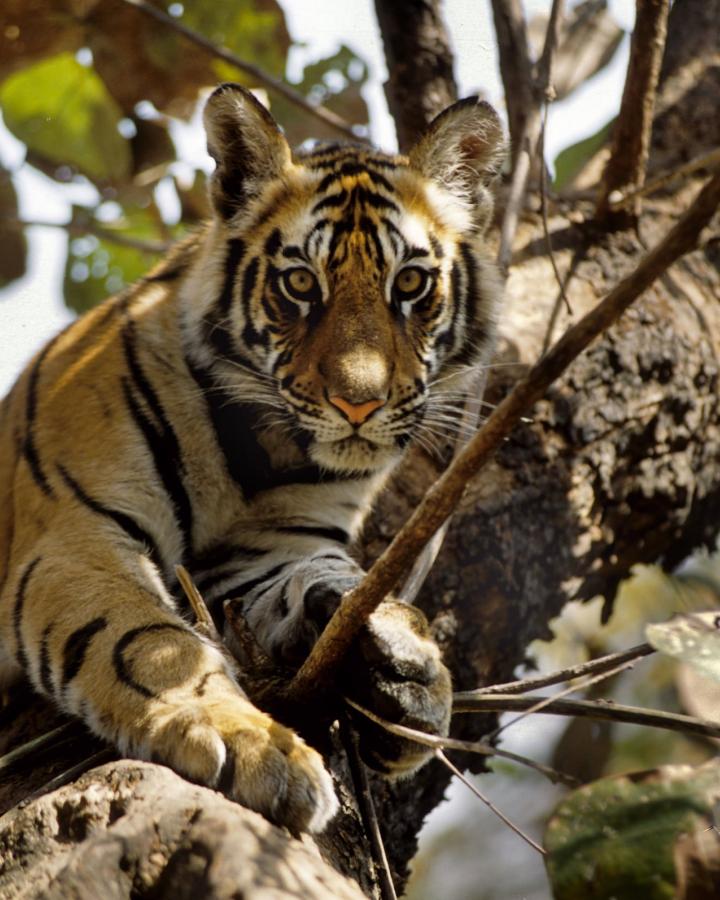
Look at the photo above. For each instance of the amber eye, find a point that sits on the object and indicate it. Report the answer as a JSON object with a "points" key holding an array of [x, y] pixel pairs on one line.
{"points": [[411, 283], [300, 284]]}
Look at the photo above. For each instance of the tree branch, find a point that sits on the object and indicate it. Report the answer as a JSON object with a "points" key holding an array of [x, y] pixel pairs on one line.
{"points": [[529, 139], [420, 64], [625, 170], [273, 84], [593, 709], [516, 67], [602, 664], [440, 500]]}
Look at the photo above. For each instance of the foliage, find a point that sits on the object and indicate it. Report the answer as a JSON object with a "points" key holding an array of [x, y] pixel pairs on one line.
{"points": [[640, 835], [93, 90]]}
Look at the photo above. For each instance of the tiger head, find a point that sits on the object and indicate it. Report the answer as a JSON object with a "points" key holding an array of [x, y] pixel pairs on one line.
{"points": [[352, 286]]}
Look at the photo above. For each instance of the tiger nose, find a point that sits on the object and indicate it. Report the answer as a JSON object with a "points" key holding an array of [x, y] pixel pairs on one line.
{"points": [[356, 413]]}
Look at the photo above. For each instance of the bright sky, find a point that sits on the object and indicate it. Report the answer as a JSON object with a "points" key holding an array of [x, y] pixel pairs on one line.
{"points": [[32, 309]]}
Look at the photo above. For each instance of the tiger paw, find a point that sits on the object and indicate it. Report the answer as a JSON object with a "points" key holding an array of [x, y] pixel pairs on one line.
{"points": [[395, 671], [237, 749]]}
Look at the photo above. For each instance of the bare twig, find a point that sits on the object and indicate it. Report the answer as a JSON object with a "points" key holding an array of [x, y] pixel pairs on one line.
{"points": [[440, 500], [625, 169], [486, 800], [481, 748], [515, 66], [709, 161], [204, 621], [605, 710], [155, 248], [543, 213], [274, 84], [53, 738], [97, 759], [571, 689], [523, 685], [367, 811], [527, 149]]}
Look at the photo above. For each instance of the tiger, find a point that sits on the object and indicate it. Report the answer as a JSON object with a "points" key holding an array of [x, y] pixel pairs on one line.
{"points": [[236, 411]]}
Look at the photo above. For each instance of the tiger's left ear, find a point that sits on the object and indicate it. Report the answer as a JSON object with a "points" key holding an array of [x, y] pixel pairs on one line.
{"points": [[463, 150], [246, 144]]}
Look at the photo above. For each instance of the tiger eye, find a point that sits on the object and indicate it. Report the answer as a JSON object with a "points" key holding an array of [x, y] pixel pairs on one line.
{"points": [[410, 281], [300, 281]]}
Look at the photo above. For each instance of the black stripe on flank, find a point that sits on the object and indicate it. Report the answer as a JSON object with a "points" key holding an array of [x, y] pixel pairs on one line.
{"points": [[161, 438], [29, 448], [122, 670], [45, 674], [165, 452], [331, 534], [20, 652], [76, 647], [236, 251], [246, 586], [125, 522]]}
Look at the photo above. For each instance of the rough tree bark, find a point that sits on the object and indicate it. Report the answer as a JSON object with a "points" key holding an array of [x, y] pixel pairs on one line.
{"points": [[618, 466]]}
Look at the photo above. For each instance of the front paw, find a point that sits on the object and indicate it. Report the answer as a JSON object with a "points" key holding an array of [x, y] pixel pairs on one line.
{"points": [[395, 671], [228, 744]]}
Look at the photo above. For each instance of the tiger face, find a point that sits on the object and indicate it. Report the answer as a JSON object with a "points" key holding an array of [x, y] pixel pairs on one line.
{"points": [[354, 283]]}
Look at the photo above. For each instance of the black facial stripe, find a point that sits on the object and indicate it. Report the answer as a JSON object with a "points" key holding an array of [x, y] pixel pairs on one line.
{"points": [[353, 167], [331, 202], [400, 245], [76, 647], [20, 651], [315, 232], [250, 334], [293, 252], [236, 251], [273, 243], [123, 521], [122, 670]]}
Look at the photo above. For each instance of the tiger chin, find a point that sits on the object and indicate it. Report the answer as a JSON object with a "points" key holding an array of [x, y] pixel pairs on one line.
{"points": [[236, 411]]}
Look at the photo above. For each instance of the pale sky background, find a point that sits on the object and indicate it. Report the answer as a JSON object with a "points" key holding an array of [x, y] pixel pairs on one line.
{"points": [[32, 309]]}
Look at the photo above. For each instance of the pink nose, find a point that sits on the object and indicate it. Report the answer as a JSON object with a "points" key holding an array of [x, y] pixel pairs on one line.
{"points": [[356, 413]]}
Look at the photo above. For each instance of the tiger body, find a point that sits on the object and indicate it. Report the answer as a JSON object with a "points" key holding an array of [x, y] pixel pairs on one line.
{"points": [[237, 411]]}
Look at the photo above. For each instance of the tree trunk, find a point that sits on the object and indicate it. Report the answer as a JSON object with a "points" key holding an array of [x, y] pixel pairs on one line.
{"points": [[618, 466]]}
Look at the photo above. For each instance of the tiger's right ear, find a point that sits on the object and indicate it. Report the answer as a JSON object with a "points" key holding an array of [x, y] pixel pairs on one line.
{"points": [[246, 144]]}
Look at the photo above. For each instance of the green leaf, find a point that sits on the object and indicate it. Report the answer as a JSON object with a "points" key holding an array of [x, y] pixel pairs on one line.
{"points": [[571, 160], [638, 835], [64, 114], [96, 268]]}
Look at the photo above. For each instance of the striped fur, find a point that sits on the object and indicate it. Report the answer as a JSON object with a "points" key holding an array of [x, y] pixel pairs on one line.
{"points": [[237, 411]]}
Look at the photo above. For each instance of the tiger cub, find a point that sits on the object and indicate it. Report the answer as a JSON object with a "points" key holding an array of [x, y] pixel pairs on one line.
{"points": [[237, 411]]}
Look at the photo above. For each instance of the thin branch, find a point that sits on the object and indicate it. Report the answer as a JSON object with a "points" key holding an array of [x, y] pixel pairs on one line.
{"points": [[481, 748], [204, 622], [367, 811], [543, 212], [571, 689], [605, 710], [156, 248], [444, 495], [523, 685], [108, 754], [527, 149], [490, 805], [625, 169], [274, 84], [53, 738], [709, 161]]}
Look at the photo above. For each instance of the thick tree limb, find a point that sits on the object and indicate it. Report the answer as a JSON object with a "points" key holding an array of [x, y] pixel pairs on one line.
{"points": [[327, 116], [625, 170], [444, 495], [420, 64]]}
